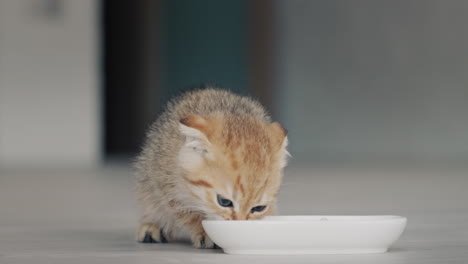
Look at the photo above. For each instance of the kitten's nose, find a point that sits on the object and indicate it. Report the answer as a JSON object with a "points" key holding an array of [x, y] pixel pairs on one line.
{"points": [[235, 216], [238, 217]]}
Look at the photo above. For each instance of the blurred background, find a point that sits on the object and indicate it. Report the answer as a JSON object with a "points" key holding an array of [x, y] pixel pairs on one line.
{"points": [[352, 81], [374, 95]]}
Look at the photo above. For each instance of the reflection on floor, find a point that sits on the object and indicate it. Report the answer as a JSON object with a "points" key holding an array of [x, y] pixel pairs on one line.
{"points": [[78, 215]]}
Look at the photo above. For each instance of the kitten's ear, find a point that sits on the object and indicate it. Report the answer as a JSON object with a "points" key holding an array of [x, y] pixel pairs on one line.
{"points": [[279, 132], [195, 126], [280, 135], [196, 130]]}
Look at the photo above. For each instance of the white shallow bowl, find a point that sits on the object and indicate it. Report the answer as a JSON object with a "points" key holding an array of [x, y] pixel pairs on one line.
{"points": [[307, 234]]}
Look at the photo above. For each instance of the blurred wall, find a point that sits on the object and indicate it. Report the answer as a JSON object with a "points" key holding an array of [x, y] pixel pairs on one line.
{"points": [[48, 82], [370, 80]]}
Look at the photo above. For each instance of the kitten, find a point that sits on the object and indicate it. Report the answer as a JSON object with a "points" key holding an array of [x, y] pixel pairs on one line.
{"points": [[211, 155]]}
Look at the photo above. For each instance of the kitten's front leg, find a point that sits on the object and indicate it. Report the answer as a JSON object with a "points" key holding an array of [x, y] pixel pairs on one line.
{"points": [[199, 238], [150, 233]]}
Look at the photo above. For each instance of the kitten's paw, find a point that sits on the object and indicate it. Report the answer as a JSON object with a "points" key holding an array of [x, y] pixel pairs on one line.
{"points": [[202, 241], [150, 233]]}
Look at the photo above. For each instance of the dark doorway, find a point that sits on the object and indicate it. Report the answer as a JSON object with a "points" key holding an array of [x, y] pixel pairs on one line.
{"points": [[154, 50], [131, 72]]}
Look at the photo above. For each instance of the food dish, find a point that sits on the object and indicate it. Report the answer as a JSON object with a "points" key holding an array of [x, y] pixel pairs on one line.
{"points": [[307, 234]]}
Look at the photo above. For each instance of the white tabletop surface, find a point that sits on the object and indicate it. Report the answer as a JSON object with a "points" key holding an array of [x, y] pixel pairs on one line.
{"points": [[78, 215]]}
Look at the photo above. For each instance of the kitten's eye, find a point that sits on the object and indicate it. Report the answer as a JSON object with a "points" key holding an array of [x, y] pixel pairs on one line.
{"points": [[259, 208], [224, 202]]}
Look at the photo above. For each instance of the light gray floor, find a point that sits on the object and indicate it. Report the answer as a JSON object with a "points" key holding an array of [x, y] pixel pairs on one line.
{"points": [[88, 215]]}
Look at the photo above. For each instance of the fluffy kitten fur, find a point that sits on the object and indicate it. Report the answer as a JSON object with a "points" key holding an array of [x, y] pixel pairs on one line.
{"points": [[208, 142]]}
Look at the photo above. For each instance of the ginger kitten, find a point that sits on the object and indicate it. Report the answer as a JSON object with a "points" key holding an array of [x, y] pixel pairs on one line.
{"points": [[211, 155]]}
